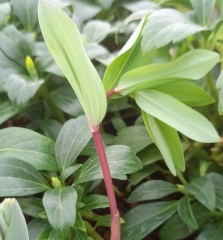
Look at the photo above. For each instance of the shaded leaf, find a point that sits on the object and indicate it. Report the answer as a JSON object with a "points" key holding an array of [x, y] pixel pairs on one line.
{"points": [[177, 115], [36, 227], [73, 60], [165, 26], [95, 201], [60, 205], [28, 146], [213, 231], [140, 140], [203, 190], [121, 161], [152, 189], [31, 206], [73, 137], [143, 219], [19, 178], [185, 212], [167, 140]]}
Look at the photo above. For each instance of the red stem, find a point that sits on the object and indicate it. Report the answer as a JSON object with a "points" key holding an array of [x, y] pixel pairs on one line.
{"points": [[110, 92], [115, 221]]}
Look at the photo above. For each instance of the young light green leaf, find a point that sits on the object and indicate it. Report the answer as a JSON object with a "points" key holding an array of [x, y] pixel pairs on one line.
{"points": [[219, 85], [167, 141], [66, 47], [179, 116], [143, 219], [12, 221], [130, 57], [192, 65], [165, 26], [19, 178], [28, 146], [26, 11], [203, 189], [121, 161], [152, 189], [73, 137], [60, 205], [187, 92], [185, 212], [204, 10]]}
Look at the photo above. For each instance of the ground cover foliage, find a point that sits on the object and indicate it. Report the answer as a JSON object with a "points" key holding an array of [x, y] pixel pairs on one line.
{"points": [[160, 62]]}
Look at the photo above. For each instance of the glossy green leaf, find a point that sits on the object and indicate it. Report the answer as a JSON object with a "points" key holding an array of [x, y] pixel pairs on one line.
{"points": [[187, 92], [28, 146], [19, 178], [54, 235], [203, 190], [60, 205], [217, 180], [12, 221], [152, 189], [31, 206], [165, 26], [73, 60], [177, 115], [36, 227], [121, 161], [204, 10], [20, 89], [213, 231], [140, 141], [143, 219], [79, 224], [130, 57], [185, 212], [192, 65], [167, 141], [73, 137], [95, 201], [26, 11]]}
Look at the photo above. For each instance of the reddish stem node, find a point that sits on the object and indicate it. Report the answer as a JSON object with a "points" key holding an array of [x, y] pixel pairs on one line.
{"points": [[110, 92], [115, 221]]}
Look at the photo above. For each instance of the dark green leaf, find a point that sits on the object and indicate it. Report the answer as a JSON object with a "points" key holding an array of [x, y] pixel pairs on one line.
{"points": [[165, 26], [213, 231], [19, 178], [152, 189], [203, 189], [94, 201], [143, 219], [28, 146], [60, 205], [140, 140], [185, 212], [168, 142], [121, 161], [73, 137], [31, 206], [36, 227], [81, 235], [26, 11]]}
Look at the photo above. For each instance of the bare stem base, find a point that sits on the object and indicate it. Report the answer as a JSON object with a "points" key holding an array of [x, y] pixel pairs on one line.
{"points": [[115, 222]]}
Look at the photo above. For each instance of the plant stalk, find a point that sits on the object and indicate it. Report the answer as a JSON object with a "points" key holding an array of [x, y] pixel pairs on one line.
{"points": [[115, 217]]}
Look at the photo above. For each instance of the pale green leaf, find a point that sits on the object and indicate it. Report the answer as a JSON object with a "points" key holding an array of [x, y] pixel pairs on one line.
{"points": [[60, 205], [13, 223], [5, 9], [28, 146], [18, 178], [187, 92], [179, 116], [143, 219], [73, 137], [192, 65], [167, 140], [165, 26], [66, 47]]}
